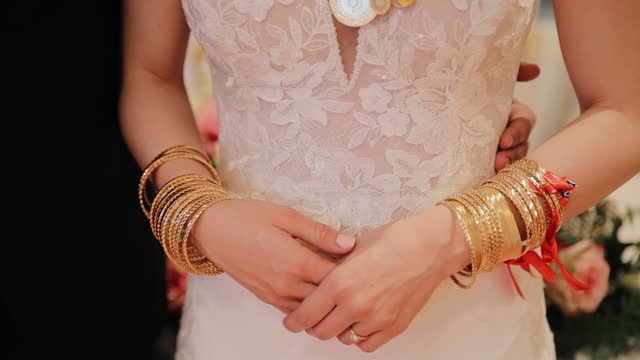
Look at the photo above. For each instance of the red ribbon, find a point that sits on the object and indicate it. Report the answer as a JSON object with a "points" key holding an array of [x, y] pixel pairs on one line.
{"points": [[549, 248]]}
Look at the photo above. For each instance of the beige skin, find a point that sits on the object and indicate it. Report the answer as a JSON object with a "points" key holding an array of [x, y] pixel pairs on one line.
{"points": [[262, 254]]}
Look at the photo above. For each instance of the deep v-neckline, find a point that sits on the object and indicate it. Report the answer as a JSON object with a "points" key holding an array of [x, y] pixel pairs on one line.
{"points": [[349, 78]]}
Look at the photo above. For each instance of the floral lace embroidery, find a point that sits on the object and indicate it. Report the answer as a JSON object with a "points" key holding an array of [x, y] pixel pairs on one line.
{"points": [[418, 119]]}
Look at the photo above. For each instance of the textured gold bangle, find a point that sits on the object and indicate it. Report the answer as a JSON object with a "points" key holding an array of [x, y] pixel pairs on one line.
{"points": [[178, 238], [175, 152], [518, 202], [482, 203], [489, 197], [164, 202], [531, 207], [199, 265], [178, 205], [181, 149], [536, 173], [177, 227], [469, 270], [538, 200], [173, 213], [165, 223], [512, 241], [522, 211], [483, 242], [171, 229], [533, 204], [169, 193], [143, 196], [461, 215]]}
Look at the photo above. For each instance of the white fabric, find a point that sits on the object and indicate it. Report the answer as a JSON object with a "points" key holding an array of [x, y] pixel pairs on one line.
{"points": [[419, 119]]}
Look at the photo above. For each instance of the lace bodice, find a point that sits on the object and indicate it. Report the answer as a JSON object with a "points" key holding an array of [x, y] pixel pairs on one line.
{"points": [[419, 117]]}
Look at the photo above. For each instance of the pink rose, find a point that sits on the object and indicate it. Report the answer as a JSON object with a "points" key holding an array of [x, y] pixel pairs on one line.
{"points": [[585, 260], [176, 286], [207, 120]]}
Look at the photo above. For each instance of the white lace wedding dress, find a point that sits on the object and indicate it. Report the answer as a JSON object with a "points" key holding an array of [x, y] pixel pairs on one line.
{"points": [[417, 120]]}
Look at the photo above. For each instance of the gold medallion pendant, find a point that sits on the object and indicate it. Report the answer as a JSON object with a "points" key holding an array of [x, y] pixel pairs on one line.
{"points": [[354, 13], [357, 13]]}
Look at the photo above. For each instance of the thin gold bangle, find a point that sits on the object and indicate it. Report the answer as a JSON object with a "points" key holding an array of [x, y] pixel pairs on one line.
{"points": [[143, 196], [459, 212]]}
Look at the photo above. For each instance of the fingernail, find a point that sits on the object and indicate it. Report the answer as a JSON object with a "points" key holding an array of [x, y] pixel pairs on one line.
{"points": [[345, 241], [507, 162]]}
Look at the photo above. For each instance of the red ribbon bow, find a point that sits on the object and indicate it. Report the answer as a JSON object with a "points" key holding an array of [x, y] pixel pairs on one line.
{"points": [[554, 186]]}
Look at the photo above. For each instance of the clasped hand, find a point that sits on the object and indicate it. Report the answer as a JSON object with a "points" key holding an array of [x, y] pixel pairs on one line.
{"points": [[375, 287], [384, 282]]}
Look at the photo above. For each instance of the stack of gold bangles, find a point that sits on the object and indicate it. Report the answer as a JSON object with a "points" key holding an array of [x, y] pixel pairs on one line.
{"points": [[178, 205], [490, 226]]}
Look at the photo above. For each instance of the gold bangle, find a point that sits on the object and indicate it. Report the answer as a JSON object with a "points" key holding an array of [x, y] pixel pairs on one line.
{"points": [[459, 212], [515, 198], [505, 186], [173, 213], [533, 204], [179, 210], [180, 222], [540, 201], [482, 241], [176, 152], [171, 222], [488, 198], [178, 237], [512, 241], [143, 196], [536, 172], [168, 193], [200, 265]]}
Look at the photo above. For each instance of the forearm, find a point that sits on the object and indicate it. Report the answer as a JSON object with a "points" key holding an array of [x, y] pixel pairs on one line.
{"points": [[599, 151], [154, 110], [155, 115]]}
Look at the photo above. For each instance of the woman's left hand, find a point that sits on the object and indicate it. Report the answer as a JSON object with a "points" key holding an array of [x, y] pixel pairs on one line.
{"points": [[380, 287]]}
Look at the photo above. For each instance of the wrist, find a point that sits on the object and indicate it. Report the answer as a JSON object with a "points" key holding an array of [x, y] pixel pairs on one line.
{"points": [[176, 168], [454, 253], [460, 254]]}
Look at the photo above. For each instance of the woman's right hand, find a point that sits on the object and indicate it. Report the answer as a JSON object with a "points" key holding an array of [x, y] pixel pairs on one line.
{"points": [[260, 245]]}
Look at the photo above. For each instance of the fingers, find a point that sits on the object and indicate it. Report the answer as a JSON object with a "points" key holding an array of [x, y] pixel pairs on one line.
{"points": [[502, 161], [376, 335], [506, 157], [404, 318], [528, 72], [337, 322], [377, 339], [388, 322], [312, 267], [301, 264], [362, 329], [516, 133], [294, 289], [313, 309], [522, 110], [286, 306], [313, 232]]}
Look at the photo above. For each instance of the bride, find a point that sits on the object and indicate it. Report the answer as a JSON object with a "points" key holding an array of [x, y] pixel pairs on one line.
{"points": [[344, 120]]}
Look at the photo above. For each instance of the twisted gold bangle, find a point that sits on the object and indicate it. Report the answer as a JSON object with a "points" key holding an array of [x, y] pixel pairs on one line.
{"points": [[459, 212]]}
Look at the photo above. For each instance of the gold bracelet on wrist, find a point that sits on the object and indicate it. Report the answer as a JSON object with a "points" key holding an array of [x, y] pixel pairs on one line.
{"points": [[461, 215], [177, 207]]}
